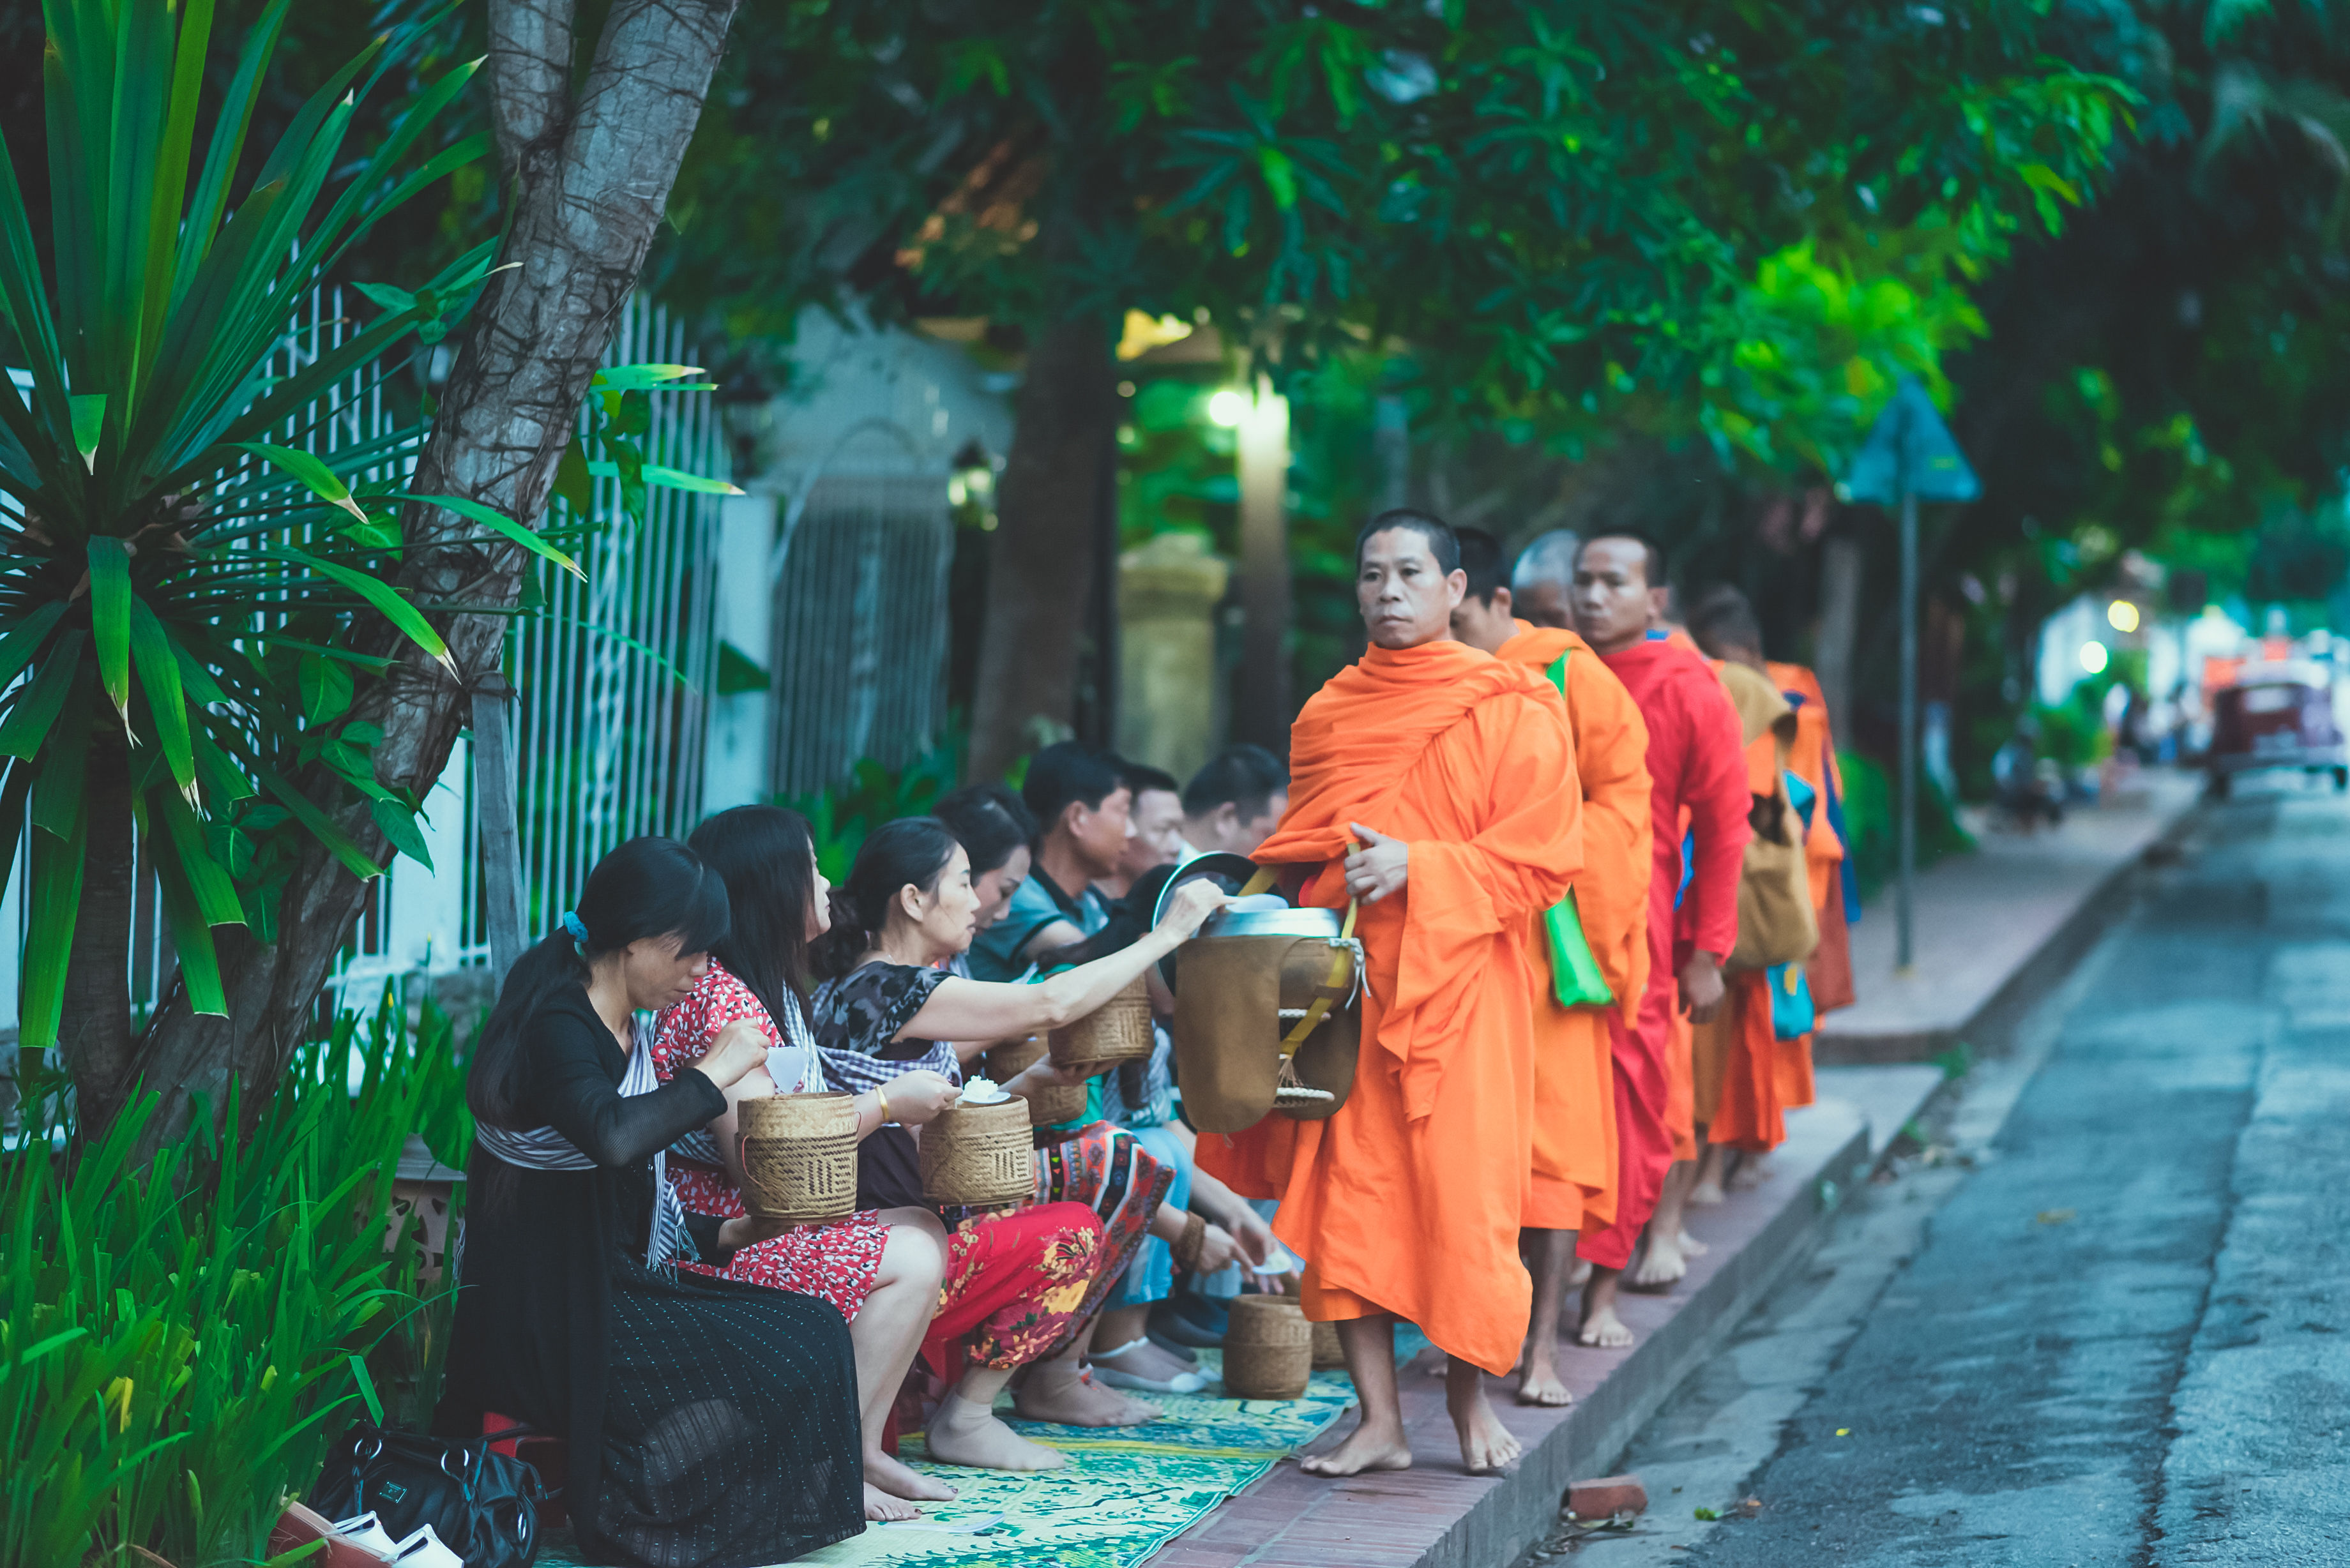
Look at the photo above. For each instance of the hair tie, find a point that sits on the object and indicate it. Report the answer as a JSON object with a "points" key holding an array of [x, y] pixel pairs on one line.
{"points": [[576, 928]]}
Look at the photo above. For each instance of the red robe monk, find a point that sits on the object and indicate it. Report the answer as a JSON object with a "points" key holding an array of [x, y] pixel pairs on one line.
{"points": [[1572, 1181], [1437, 784], [1695, 763]]}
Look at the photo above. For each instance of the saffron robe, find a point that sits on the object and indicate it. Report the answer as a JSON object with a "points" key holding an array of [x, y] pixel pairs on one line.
{"points": [[1697, 765], [1575, 1158], [1813, 760], [1407, 1199]]}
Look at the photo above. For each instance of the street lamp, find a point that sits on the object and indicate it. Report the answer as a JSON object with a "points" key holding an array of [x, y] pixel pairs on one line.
{"points": [[2093, 658], [1228, 408], [2122, 616]]}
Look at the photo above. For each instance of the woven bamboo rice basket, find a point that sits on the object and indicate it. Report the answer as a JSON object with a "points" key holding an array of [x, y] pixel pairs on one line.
{"points": [[1268, 1349], [799, 1157], [1047, 1106], [1119, 1031], [979, 1156]]}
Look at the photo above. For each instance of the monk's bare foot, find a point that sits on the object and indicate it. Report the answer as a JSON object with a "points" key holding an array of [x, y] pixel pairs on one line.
{"points": [[1485, 1444], [1580, 1275], [1691, 1247], [1366, 1447], [1541, 1384], [1660, 1265], [961, 1433], [1601, 1329], [1707, 1193], [1711, 1167], [881, 1508], [903, 1481], [1055, 1392], [1753, 1170]]}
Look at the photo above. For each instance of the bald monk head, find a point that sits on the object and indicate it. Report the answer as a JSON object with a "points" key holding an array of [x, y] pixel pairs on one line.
{"points": [[1541, 585], [1408, 579], [1485, 617], [1616, 579], [1724, 625]]}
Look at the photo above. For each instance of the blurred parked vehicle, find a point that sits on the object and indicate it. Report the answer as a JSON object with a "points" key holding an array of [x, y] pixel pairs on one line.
{"points": [[2275, 715]]}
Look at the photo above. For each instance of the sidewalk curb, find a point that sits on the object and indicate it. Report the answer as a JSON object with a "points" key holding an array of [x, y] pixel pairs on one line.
{"points": [[2030, 981]]}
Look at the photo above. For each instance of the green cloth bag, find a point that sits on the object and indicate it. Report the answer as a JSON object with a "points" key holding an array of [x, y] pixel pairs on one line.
{"points": [[1575, 973]]}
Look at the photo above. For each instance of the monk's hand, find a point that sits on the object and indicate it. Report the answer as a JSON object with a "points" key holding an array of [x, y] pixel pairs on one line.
{"points": [[1379, 867], [1701, 987], [1193, 902]]}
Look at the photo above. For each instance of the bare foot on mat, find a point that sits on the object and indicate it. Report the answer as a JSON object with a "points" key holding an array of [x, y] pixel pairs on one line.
{"points": [[881, 1508], [905, 1481], [963, 1434]]}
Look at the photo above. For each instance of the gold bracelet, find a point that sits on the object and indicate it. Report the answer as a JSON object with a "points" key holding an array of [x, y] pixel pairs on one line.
{"points": [[884, 1100]]}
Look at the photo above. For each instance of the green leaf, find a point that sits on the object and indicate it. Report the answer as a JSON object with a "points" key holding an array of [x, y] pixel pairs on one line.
{"points": [[28, 724], [384, 598], [675, 479], [23, 639], [390, 299], [166, 704], [367, 1390], [310, 468], [337, 842], [572, 484], [491, 518], [326, 686], [192, 940], [639, 378], [375, 533], [398, 825], [214, 891], [89, 425], [110, 618], [57, 793], [55, 901]]}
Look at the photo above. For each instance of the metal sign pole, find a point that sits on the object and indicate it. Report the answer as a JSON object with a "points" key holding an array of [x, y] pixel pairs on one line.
{"points": [[1904, 946], [495, 783]]}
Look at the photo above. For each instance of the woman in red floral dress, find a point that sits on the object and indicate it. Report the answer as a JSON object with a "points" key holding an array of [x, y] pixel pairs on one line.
{"points": [[1012, 1288]]}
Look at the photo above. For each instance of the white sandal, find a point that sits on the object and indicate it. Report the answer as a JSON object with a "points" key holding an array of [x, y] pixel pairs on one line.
{"points": [[1181, 1382]]}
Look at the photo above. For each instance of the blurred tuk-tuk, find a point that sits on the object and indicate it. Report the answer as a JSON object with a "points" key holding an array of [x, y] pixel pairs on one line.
{"points": [[2276, 714]]}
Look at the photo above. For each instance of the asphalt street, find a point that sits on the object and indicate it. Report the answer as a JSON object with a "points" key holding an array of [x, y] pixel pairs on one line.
{"points": [[2101, 1320]]}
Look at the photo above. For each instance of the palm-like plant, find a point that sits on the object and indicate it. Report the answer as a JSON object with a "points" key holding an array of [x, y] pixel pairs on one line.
{"points": [[178, 577]]}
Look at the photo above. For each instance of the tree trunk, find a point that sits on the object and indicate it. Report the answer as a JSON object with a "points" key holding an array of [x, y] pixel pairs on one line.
{"points": [[95, 1025], [1839, 629], [588, 177], [1040, 581]]}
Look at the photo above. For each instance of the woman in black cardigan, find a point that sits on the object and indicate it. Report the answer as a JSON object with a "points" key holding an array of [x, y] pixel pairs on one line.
{"points": [[711, 1425]]}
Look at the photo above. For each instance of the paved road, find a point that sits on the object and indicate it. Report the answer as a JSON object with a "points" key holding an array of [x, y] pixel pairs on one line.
{"points": [[2118, 1337]]}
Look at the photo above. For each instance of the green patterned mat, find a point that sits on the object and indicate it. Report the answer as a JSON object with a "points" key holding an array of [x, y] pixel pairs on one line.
{"points": [[1121, 1497]]}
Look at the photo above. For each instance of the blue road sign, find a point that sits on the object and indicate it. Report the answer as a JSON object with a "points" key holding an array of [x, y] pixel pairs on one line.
{"points": [[1910, 450]]}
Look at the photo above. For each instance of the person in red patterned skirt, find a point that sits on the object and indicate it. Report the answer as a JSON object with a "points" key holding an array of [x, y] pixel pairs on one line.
{"points": [[1013, 1286]]}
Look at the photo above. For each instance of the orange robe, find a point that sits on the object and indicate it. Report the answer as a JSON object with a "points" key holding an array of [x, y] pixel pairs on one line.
{"points": [[1814, 761], [1747, 1077], [1407, 1200], [1574, 1173]]}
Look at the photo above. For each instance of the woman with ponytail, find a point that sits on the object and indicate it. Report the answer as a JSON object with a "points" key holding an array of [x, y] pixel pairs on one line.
{"points": [[1004, 1289], [710, 1425], [907, 909]]}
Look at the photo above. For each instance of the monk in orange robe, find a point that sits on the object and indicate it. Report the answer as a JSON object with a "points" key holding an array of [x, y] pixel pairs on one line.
{"points": [[1743, 1082], [1436, 785], [1695, 764], [1760, 1076], [1574, 1178]]}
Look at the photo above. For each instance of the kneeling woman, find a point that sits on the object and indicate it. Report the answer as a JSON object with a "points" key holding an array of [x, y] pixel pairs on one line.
{"points": [[909, 906], [1011, 1287], [711, 1425]]}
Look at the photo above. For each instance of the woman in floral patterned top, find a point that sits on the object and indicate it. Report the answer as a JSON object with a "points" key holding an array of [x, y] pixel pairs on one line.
{"points": [[1003, 1295], [907, 908]]}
